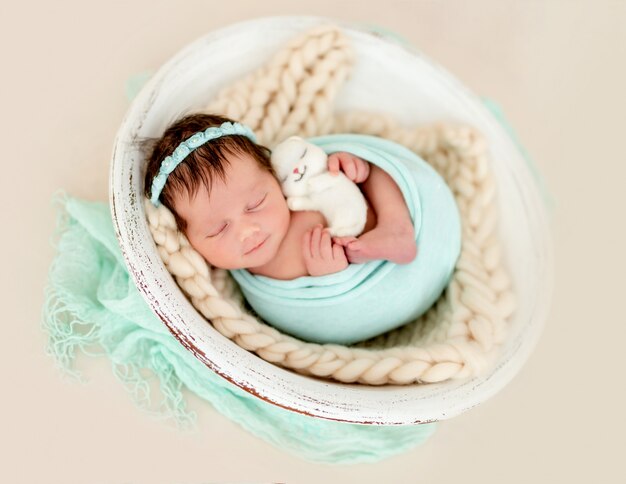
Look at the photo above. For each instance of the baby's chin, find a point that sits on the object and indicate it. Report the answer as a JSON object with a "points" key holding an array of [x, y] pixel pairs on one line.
{"points": [[246, 262]]}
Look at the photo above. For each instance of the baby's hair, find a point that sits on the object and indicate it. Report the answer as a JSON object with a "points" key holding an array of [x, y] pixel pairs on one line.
{"points": [[202, 165]]}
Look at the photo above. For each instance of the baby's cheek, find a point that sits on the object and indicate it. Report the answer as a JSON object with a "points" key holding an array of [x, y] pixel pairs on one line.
{"points": [[226, 257], [202, 251], [284, 216], [207, 253]]}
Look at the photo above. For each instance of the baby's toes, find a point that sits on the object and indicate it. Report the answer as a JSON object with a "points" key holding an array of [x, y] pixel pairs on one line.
{"points": [[354, 253], [343, 241]]}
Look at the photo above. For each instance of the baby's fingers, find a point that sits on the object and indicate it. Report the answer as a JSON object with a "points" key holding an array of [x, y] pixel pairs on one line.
{"points": [[363, 171], [326, 246], [333, 164], [338, 252], [316, 237], [311, 242], [349, 167]]}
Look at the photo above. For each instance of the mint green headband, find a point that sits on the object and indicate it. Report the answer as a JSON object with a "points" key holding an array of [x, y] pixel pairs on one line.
{"points": [[190, 144]]}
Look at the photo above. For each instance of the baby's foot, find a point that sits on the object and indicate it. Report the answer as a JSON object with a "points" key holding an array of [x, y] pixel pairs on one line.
{"points": [[396, 244], [344, 241]]}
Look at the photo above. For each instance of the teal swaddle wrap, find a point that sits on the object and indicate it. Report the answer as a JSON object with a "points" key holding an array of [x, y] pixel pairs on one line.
{"points": [[365, 300]]}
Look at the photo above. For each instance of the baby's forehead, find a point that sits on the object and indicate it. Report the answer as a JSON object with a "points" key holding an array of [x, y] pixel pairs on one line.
{"points": [[234, 187], [244, 184]]}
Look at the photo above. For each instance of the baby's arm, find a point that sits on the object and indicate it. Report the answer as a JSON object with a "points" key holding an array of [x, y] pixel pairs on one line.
{"points": [[355, 168], [321, 256]]}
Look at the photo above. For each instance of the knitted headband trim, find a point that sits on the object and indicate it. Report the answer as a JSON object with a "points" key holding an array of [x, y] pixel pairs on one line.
{"points": [[169, 164]]}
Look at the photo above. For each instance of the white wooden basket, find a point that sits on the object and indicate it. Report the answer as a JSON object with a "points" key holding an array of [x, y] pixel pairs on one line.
{"points": [[395, 79]]}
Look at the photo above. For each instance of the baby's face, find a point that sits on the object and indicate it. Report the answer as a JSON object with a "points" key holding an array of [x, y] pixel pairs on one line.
{"points": [[249, 209]]}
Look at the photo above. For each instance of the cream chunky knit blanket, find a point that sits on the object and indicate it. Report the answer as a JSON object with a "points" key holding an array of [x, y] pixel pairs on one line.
{"points": [[460, 335]]}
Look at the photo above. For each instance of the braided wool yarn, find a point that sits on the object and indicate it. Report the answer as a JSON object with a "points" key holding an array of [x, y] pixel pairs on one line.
{"points": [[460, 335]]}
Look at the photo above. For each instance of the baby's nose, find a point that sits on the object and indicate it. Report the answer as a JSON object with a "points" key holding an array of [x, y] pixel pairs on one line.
{"points": [[248, 231]]}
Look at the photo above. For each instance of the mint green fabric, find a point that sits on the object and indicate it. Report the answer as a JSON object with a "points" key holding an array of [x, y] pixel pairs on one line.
{"points": [[365, 300], [93, 306]]}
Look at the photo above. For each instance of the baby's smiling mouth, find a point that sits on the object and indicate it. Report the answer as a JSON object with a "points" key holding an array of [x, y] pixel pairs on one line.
{"points": [[257, 246], [302, 174]]}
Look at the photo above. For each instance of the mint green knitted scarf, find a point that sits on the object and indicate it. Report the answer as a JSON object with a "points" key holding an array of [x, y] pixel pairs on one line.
{"points": [[93, 306]]}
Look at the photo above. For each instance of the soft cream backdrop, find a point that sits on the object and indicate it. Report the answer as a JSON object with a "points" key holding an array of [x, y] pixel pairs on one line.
{"points": [[558, 69]]}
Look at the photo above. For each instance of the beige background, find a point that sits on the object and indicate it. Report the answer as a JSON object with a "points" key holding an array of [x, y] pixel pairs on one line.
{"points": [[558, 70]]}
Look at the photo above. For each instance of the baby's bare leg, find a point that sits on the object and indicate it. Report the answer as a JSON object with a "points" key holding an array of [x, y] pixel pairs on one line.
{"points": [[393, 238]]}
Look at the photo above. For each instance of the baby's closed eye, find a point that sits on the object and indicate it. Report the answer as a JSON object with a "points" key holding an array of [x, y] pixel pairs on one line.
{"points": [[254, 205], [218, 232], [258, 204]]}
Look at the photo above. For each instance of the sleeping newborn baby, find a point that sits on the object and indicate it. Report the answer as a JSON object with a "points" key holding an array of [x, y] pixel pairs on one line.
{"points": [[227, 199]]}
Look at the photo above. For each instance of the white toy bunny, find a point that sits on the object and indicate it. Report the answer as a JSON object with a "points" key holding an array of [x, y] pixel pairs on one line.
{"points": [[302, 169]]}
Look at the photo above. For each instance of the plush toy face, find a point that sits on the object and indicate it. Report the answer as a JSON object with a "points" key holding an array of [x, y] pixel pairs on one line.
{"points": [[295, 162]]}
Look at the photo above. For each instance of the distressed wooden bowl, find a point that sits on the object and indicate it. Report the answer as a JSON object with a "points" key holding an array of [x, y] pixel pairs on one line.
{"points": [[388, 77]]}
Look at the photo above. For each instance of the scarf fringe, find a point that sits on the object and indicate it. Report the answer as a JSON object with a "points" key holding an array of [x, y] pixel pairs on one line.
{"points": [[69, 332]]}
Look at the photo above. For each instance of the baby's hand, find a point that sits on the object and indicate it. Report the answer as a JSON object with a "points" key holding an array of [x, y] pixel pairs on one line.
{"points": [[322, 257], [355, 168]]}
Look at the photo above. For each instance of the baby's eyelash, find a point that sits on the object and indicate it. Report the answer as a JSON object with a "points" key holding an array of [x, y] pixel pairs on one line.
{"points": [[251, 208], [258, 204], [219, 232]]}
